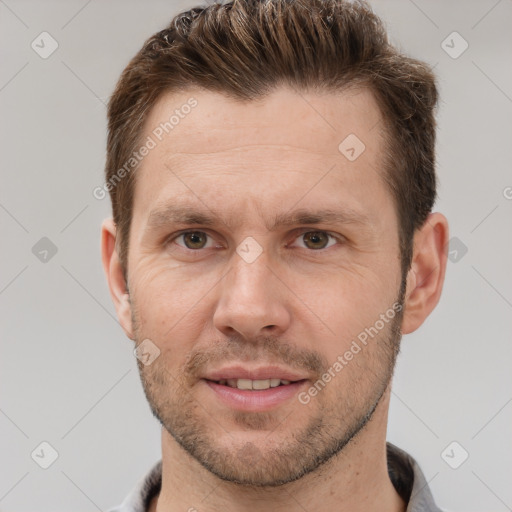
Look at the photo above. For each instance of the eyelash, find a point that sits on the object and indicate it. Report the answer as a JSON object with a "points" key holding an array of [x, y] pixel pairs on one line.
{"points": [[175, 236]]}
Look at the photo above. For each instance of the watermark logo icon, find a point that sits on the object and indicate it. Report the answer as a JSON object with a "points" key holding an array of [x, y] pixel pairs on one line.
{"points": [[44, 45], [457, 249], [454, 45], [351, 147], [249, 454], [249, 250], [44, 455], [44, 250], [146, 352], [454, 455]]}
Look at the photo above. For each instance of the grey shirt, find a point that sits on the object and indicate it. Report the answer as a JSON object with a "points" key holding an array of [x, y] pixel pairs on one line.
{"points": [[403, 470]]}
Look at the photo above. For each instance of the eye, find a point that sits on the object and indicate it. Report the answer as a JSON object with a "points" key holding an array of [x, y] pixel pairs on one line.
{"points": [[194, 240], [317, 240]]}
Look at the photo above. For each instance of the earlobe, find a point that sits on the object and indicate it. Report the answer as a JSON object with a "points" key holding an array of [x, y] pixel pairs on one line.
{"points": [[426, 276], [114, 274]]}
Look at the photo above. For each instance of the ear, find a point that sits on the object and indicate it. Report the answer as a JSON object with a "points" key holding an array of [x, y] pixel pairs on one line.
{"points": [[426, 275], [114, 273]]}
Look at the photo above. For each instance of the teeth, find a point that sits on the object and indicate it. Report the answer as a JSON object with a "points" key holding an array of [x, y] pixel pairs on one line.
{"points": [[254, 384], [244, 383], [260, 384]]}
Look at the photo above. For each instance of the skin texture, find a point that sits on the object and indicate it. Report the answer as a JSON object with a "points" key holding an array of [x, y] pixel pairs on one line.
{"points": [[300, 304]]}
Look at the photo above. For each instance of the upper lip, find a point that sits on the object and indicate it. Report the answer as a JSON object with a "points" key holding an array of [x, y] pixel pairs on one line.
{"points": [[261, 373]]}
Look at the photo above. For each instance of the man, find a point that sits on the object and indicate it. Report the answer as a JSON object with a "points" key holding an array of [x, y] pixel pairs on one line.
{"points": [[271, 170]]}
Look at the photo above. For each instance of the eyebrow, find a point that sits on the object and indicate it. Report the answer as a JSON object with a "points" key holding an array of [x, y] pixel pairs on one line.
{"points": [[182, 214]]}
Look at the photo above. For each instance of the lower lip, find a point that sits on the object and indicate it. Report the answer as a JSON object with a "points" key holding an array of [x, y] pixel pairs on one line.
{"points": [[257, 400]]}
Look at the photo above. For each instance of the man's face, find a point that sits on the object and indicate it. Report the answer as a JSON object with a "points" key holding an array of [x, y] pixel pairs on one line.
{"points": [[245, 289]]}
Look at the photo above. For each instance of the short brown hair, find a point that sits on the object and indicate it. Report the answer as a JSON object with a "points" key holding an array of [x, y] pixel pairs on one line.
{"points": [[246, 48]]}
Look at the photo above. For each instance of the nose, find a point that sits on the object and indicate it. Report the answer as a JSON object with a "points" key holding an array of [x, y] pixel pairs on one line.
{"points": [[253, 300]]}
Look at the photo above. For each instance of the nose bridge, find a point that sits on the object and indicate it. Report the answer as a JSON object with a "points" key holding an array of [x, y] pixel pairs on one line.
{"points": [[249, 299], [249, 279]]}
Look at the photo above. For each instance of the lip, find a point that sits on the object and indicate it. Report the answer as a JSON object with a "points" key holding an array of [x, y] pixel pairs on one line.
{"points": [[261, 373], [257, 400]]}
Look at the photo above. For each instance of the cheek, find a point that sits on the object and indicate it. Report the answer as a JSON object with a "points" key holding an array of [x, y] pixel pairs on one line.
{"points": [[171, 306], [346, 299], [340, 307]]}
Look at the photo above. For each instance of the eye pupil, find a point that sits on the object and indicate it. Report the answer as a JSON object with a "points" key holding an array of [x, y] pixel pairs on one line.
{"points": [[196, 238], [316, 237]]}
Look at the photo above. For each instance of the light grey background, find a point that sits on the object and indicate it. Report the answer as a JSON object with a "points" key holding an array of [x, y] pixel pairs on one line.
{"points": [[67, 372]]}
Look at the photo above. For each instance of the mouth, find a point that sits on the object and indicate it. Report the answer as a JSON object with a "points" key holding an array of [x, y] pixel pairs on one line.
{"points": [[254, 389], [255, 385], [254, 395]]}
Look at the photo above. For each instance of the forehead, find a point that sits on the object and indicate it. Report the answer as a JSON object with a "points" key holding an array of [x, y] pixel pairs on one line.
{"points": [[208, 148], [197, 121]]}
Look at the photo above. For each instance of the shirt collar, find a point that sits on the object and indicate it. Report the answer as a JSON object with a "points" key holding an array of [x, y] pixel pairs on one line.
{"points": [[409, 481]]}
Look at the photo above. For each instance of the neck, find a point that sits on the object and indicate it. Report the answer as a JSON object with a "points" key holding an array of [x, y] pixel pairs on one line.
{"points": [[354, 480]]}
